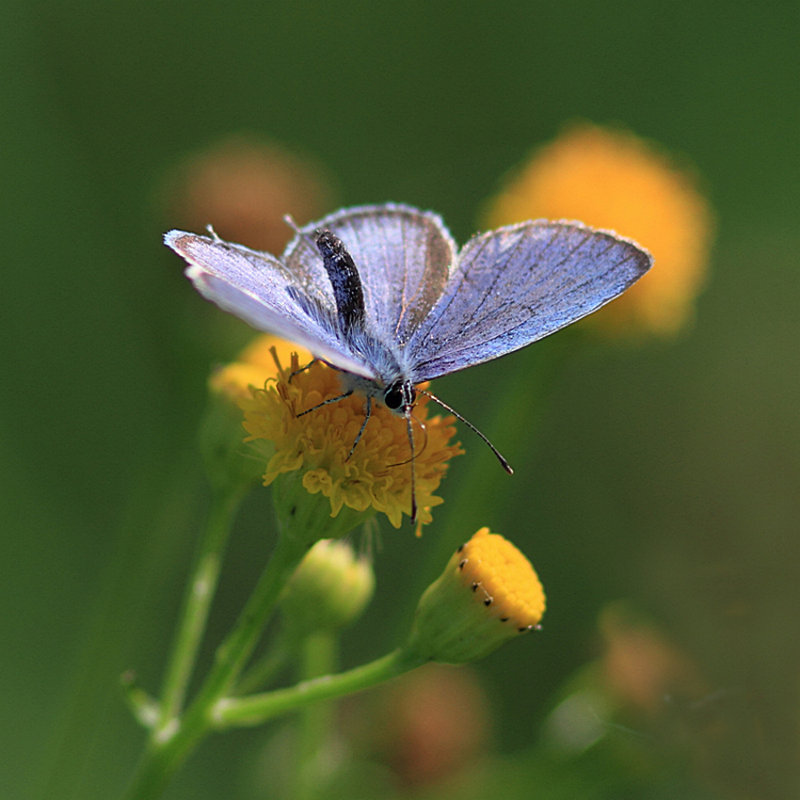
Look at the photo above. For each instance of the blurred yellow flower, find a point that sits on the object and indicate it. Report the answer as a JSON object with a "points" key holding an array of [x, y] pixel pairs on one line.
{"points": [[378, 473], [612, 179]]}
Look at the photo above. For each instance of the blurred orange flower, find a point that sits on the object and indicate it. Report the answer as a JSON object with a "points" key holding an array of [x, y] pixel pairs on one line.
{"points": [[432, 724], [244, 186], [641, 666], [614, 180]]}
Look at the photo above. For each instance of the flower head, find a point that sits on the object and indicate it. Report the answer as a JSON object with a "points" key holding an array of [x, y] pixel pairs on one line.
{"points": [[487, 594], [612, 179], [376, 476], [229, 461], [256, 364]]}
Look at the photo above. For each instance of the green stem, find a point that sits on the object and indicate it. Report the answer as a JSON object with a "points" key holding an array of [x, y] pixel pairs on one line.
{"points": [[197, 600], [240, 643], [144, 708], [238, 711], [171, 744], [319, 657]]}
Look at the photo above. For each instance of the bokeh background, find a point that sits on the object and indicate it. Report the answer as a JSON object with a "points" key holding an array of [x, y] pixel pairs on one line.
{"points": [[657, 482]]}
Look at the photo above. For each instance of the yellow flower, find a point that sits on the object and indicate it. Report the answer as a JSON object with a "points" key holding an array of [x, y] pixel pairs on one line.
{"points": [[612, 179], [487, 594], [377, 475], [228, 460], [255, 365]]}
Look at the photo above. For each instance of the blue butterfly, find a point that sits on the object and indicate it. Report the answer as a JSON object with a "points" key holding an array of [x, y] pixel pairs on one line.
{"points": [[382, 293]]}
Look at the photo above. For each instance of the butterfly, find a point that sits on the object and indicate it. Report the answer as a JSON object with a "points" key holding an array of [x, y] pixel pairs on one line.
{"points": [[382, 293]]}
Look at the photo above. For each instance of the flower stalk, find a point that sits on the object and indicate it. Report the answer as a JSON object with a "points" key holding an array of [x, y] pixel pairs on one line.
{"points": [[320, 653], [256, 709], [197, 601]]}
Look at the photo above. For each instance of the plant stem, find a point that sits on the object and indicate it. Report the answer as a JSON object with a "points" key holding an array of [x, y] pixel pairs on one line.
{"points": [[238, 711], [197, 600], [319, 657], [171, 743]]}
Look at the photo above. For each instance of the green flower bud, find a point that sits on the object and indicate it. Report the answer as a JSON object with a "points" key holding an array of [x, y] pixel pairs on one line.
{"points": [[329, 590]]}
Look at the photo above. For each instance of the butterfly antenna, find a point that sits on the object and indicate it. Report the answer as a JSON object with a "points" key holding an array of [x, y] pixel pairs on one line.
{"points": [[307, 238], [503, 463], [424, 442]]}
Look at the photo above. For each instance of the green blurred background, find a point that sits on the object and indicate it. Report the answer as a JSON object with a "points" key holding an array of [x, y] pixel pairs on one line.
{"points": [[665, 475]]}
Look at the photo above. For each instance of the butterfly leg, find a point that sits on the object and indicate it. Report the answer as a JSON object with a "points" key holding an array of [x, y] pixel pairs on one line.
{"points": [[367, 415], [325, 403], [303, 369], [424, 431]]}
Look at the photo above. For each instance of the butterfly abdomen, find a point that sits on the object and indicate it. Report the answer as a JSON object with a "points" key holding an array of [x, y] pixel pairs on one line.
{"points": [[345, 281]]}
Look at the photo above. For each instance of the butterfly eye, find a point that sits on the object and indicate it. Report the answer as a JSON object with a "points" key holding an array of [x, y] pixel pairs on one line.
{"points": [[394, 396]]}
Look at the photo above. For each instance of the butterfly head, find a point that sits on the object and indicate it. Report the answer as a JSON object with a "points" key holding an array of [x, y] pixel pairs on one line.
{"points": [[399, 396]]}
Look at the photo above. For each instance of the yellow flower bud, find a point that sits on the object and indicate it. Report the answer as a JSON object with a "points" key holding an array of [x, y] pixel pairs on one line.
{"points": [[487, 594]]}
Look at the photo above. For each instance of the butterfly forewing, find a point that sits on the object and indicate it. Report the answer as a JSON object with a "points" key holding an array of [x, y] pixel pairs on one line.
{"points": [[262, 291], [518, 284], [403, 257]]}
